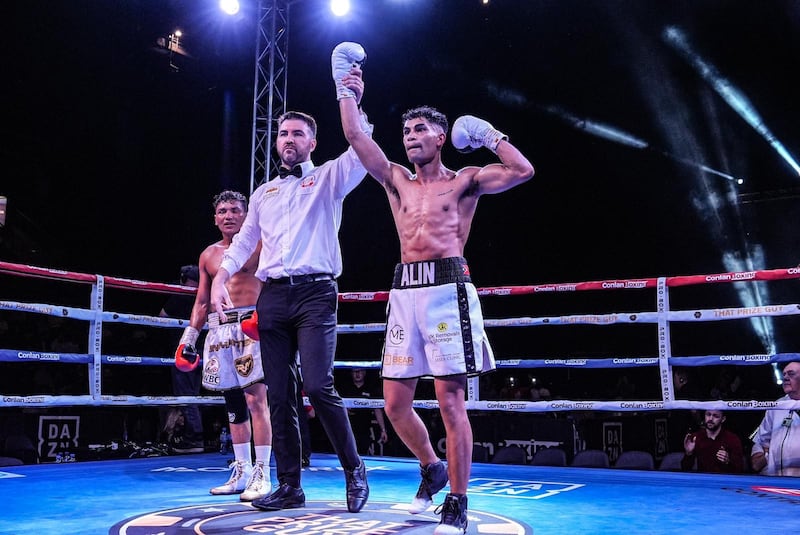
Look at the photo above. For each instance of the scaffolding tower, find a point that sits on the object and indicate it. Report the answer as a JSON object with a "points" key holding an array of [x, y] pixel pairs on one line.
{"points": [[270, 83]]}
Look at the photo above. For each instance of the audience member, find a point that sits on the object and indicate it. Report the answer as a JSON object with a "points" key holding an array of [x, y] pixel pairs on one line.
{"points": [[713, 448], [369, 426], [624, 388], [776, 442], [540, 391], [683, 421], [184, 431], [685, 386], [727, 384], [514, 389]]}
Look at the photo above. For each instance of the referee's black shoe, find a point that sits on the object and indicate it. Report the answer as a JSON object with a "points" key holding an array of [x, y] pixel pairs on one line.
{"points": [[357, 488], [286, 497]]}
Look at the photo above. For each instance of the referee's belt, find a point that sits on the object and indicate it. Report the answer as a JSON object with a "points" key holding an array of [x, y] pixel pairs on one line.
{"points": [[431, 272], [231, 316], [302, 279]]}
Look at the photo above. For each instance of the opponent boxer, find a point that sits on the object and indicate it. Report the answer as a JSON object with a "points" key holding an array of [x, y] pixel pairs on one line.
{"points": [[435, 323], [232, 355]]}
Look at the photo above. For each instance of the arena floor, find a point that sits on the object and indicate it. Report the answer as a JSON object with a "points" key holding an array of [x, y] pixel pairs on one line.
{"points": [[169, 496]]}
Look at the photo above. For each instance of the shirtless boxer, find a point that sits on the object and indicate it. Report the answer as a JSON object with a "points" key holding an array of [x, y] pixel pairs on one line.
{"points": [[232, 362], [435, 323]]}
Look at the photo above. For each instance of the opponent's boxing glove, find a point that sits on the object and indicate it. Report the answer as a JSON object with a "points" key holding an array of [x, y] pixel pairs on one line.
{"points": [[250, 326], [186, 356], [470, 133], [343, 58]]}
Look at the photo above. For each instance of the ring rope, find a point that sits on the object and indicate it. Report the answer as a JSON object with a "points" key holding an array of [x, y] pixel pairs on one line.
{"points": [[96, 316]]}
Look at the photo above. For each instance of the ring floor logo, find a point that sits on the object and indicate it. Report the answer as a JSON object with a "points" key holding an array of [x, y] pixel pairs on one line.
{"points": [[316, 518]]}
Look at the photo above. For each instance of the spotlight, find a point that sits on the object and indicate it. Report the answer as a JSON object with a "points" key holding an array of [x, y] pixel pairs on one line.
{"points": [[340, 7], [229, 7]]}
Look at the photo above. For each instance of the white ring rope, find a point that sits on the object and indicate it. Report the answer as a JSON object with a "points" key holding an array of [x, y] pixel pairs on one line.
{"points": [[662, 317]]}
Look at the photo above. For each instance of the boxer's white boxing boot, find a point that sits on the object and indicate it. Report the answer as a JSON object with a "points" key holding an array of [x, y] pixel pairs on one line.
{"points": [[240, 474], [258, 485]]}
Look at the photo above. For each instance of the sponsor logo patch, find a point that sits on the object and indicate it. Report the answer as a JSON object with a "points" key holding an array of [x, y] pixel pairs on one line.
{"points": [[244, 365]]}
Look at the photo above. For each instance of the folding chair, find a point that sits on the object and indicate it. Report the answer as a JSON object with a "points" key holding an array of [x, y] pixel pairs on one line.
{"points": [[549, 457], [510, 455], [591, 459], [635, 460]]}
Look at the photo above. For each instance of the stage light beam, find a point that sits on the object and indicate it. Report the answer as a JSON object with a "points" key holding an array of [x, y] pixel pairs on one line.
{"points": [[617, 135], [729, 93], [599, 129]]}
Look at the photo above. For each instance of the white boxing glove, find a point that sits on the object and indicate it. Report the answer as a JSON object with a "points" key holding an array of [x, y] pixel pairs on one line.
{"points": [[343, 58], [470, 133]]}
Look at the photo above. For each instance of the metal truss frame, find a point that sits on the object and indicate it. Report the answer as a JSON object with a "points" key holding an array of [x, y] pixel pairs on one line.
{"points": [[270, 83]]}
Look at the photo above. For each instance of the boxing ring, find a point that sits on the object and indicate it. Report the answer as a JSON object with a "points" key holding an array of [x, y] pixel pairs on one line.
{"points": [[148, 495]]}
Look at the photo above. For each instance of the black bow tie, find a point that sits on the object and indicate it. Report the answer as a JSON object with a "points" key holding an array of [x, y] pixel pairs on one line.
{"points": [[297, 171]]}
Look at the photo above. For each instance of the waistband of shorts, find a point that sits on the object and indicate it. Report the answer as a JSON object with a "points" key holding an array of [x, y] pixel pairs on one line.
{"points": [[431, 272], [234, 315]]}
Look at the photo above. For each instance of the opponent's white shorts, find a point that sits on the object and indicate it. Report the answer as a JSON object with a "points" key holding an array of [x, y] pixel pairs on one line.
{"points": [[230, 359], [434, 322]]}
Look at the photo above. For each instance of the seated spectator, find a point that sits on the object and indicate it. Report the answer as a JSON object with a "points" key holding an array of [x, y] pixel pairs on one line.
{"points": [[539, 392], [369, 426], [727, 384], [683, 421], [714, 448], [776, 442]]}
